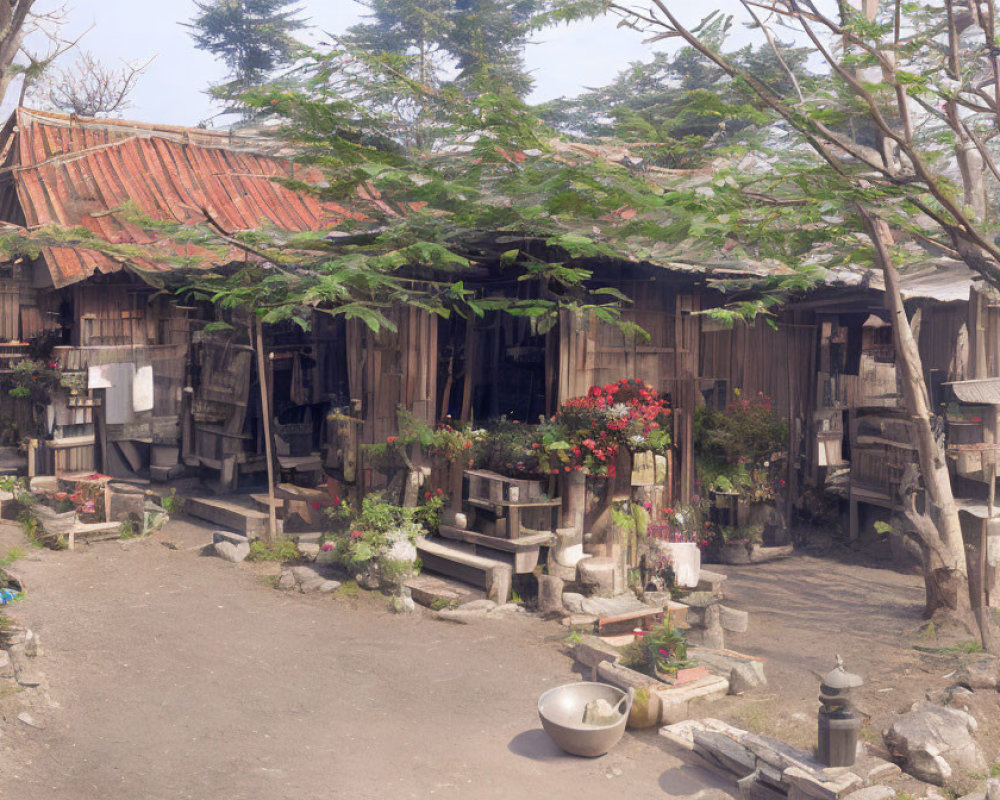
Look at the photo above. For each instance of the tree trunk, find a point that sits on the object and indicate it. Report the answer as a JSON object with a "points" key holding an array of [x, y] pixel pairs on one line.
{"points": [[946, 577]]}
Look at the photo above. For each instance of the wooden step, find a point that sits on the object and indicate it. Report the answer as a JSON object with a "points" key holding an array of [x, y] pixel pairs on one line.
{"points": [[522, 554], [458, 561], [229, 513]]}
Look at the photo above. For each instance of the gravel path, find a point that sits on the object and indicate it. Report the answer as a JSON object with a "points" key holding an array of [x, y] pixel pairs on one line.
{"points": [[181, 676]]}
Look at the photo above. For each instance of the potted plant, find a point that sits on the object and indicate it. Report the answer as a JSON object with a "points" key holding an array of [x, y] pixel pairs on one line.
{"points": [[377, 542], [677, 540], [662, 653], [739, 542]]}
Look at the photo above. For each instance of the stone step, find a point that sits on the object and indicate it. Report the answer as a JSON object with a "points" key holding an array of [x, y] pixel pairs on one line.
{"points": [[438, 592], [456, 560], [229, 512]]}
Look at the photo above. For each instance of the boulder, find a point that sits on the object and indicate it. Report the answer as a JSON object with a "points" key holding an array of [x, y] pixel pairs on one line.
{"points": [[744, 678], [993, 789], [982, 673], [307, 579], [932, 743], [232, 552]]}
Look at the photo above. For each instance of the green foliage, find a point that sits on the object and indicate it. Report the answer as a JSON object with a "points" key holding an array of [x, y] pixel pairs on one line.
{"points": [[252, 37], [378, 533], [429, 38], [280, 549], [12, 555], [32, 379], [661, 651], [172, 503], [127, 530], [750, 534], [630, 516], [507, 448], [679, 109]]}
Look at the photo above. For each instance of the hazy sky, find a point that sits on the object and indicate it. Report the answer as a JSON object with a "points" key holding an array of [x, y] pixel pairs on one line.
{"points": [[563, 61]]}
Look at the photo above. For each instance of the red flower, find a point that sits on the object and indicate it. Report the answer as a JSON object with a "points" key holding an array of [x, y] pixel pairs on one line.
{"points": [[391, 439], [316, 506], [427, 495], [439, 491]]}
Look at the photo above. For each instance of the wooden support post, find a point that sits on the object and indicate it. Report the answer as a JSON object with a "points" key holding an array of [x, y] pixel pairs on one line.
{"points": [[265, 404]]}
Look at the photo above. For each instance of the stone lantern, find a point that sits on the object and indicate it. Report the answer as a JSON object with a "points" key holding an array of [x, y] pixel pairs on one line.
{"points": [[838, 724]]}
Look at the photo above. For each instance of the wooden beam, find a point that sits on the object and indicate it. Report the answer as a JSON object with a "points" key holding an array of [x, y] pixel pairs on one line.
{"points": [[265, 402]]}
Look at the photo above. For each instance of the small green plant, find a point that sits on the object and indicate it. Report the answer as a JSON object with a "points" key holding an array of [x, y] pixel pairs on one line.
{"points": [[441, 603], [127, 530], [575, 637], [280, 549], [662, 651], [11, 556], [171, 503], [995, 770], [515, 597], [349, 590], [31, 528]]}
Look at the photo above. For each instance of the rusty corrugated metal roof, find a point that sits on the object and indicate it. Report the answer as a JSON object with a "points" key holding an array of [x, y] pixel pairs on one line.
{"points": [[70, 171]]}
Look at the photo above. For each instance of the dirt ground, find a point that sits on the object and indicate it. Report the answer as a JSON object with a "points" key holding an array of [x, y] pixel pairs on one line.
{"points": [[174, 675], [183, 676], [804, 611]]}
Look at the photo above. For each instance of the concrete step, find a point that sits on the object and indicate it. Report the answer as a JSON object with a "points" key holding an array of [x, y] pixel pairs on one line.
{"points": [[231, 512], [457, 560]]}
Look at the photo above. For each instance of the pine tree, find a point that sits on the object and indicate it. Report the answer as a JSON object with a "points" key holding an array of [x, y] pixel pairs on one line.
{"points": [[478, 38], [488, 38], [252, 37]]}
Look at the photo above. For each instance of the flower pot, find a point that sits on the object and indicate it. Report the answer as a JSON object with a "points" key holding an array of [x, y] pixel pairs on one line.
{"points": [[736, 552], [685, 559]]}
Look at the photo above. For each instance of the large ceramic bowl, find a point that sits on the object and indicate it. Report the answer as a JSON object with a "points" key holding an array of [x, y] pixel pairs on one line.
{"points": [[561, 711]]}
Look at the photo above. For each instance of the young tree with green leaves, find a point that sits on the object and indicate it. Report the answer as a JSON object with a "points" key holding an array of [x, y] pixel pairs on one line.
{"points": [[892, 156], [253, 38]]}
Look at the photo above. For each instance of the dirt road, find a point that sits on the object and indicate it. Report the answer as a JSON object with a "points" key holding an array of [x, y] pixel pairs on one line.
{"points": [[182, 676]]}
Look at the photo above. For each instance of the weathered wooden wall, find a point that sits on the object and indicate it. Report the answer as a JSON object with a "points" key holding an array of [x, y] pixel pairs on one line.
{"points": [[393, 369]]}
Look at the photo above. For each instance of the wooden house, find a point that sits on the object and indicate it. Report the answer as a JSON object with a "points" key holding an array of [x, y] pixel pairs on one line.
{"points": [[150, 390]]}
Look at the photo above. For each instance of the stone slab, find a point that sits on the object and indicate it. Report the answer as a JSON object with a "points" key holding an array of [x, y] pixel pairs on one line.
{"points": [[591, 652], [434, 590]]}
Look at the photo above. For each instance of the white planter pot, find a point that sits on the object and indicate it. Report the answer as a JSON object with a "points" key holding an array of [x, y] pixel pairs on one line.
{"points": [[685, 558]]}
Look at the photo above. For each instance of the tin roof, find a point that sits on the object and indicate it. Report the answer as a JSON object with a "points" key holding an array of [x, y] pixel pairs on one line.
{"points": [[72, 171], [984, 391]]}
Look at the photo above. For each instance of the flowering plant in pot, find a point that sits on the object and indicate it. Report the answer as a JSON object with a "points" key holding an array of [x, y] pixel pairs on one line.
{"points": [[378, 541], [589, 432], [661, 652], [679, 537]]}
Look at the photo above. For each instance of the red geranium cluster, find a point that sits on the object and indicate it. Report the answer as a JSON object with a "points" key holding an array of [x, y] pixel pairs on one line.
{"points": [[589, 431]]}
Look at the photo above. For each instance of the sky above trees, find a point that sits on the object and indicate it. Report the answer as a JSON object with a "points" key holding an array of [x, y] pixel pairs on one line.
{"points": [[564, 60]]}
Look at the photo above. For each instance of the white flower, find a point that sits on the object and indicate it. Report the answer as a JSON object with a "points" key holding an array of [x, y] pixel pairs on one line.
{"points": [[401, 548], [618, 410]]}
